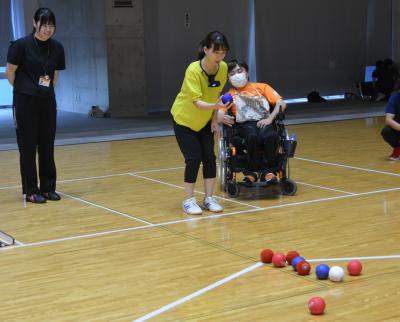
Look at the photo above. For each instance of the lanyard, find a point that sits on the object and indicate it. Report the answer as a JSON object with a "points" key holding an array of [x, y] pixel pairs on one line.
{"points": [[44, 67]]}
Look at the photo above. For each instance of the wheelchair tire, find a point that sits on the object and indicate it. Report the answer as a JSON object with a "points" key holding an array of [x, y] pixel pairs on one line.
{"points": [[222, 168], [233, 189], [288, 187]]}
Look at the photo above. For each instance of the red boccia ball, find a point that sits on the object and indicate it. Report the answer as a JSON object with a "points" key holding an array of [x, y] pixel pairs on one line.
{"points": [[266, 256], [303, 268], [316, 305], [354, 268], [290, 255], [279, 260]]}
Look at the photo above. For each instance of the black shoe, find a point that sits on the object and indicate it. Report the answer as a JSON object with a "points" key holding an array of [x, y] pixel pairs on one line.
{"points": [[35, 198], [269, 177], [250, 177], [53, 196]]}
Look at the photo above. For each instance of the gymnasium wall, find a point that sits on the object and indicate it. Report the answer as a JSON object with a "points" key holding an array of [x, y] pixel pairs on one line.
{"points": [[133, 60], [300, 45], [81, 30], [173, 31]]}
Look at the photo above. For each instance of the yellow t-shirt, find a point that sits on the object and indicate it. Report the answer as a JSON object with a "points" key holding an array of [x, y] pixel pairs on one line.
{"points": [[195, 88]]}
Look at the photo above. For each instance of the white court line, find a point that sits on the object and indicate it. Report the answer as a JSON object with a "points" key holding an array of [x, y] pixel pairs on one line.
{"points": [[325, 188], [104, 233], [105, 208], [303, 203], [179, 187], [93, 178], [239, 274], [157, 170], [349, 167], [101, 177], [200, 218], [176, 168], [118, 174], [10, 187], [197, 293], [19, 243], [352, 258]]}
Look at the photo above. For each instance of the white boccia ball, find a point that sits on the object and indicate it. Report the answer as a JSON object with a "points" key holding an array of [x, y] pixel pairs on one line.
{"points": [[336, 273]]}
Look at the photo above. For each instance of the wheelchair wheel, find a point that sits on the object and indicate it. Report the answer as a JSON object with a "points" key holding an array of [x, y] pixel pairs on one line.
{"points": [[233, 189], [222, 168], [288, 187]]}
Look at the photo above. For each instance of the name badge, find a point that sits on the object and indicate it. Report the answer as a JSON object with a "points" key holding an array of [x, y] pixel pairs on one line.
{"points": [[44, 81]]}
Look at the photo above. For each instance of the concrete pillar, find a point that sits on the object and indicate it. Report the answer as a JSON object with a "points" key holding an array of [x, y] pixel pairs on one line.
{"points": [[125, 59]]}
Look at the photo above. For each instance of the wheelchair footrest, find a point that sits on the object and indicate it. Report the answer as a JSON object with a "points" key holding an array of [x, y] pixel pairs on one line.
{"points": [[258, 184]]}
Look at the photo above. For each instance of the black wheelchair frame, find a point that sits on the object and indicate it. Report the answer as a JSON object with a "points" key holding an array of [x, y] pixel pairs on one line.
{"points": [[227, 154]]}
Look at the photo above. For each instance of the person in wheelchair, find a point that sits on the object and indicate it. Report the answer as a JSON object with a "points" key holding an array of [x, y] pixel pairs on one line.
{"points": [[252, 114]]}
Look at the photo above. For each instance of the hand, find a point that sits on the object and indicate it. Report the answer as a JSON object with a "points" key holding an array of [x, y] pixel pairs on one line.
{"points": [[228, 120], [264, 122], [215, 128]]}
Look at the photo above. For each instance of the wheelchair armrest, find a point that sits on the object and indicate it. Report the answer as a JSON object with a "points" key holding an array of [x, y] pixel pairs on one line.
{"points": [[280, 117]]}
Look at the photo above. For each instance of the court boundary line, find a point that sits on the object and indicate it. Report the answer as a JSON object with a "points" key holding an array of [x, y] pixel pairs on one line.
{"points": [[349, 167], [105, 208], [198, 293], [238, 274], [325, 188], [248, 211], [176, 168], [101, 177], [200, 192]]}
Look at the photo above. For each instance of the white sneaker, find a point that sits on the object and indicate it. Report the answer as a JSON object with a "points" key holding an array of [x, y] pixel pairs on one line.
{"points": [[211, 204], [190, 207]]}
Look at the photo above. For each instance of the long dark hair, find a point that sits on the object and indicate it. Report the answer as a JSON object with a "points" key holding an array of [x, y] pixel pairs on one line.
{"points": [[44, 16], [214, 39]]}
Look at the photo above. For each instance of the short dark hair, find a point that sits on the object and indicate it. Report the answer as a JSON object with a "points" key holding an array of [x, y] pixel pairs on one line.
{"points": [[214, 39], [44, 16], [237, 62]]}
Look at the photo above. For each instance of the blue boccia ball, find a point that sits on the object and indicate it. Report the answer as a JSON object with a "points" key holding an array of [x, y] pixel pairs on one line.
{"points": [[227, 98], [296, 260], [322, 271]]}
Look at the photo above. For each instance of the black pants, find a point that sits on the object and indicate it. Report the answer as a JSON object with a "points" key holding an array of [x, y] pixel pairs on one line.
{"points": [[261, 145], [35, 123], [197, 147], [391, 136]]}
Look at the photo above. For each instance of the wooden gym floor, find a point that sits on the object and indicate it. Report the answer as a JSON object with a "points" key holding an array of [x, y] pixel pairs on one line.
{"points": [[118, 247]]}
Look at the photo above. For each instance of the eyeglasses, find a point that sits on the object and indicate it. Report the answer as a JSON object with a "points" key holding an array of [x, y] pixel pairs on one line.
{"points": [[236, 71], [212, 82]]}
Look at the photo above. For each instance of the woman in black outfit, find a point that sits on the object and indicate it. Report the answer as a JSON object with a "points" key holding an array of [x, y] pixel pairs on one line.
{"points": [[32, 69]]}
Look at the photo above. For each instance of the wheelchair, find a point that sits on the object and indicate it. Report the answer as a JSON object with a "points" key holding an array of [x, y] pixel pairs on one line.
{"points": [[232, 158]]}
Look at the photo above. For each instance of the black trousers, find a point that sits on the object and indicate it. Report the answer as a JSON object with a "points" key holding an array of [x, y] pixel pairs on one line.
{"points": [[261, 145], [197, 148], [35, 122], [391, 136]]}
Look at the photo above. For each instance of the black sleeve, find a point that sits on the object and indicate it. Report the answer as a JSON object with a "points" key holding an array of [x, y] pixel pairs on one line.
{"points": [[16, 52], [60, 58]]}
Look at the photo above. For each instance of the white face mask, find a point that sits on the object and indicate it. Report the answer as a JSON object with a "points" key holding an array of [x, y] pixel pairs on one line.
{"points": [[238, 80]]}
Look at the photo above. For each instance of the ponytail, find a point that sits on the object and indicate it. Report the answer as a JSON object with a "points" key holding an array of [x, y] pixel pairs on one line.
{"points": [[215, 40]]}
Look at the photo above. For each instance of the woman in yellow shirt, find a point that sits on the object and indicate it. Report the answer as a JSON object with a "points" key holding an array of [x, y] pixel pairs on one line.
{"points": [[195, 120]]}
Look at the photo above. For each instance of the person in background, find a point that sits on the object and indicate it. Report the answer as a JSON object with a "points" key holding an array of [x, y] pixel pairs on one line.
{"points": [[391, 132], [33, 63]]}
